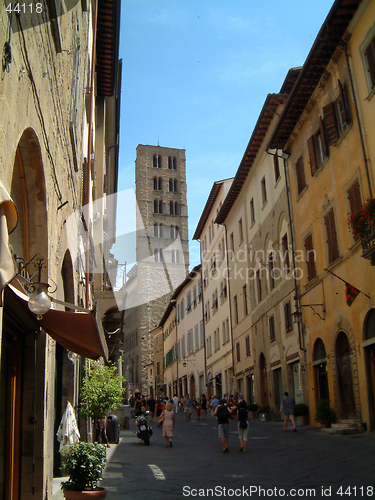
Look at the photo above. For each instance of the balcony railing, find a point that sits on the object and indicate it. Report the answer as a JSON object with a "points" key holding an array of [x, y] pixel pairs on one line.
{"points": [[368, 246]]}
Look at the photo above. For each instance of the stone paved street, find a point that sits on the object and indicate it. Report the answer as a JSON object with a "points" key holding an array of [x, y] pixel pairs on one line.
{"points": [[305, 464]]}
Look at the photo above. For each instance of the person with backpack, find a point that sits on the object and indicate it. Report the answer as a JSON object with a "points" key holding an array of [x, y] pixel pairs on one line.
{"points": [[138, 406], [243, 417], [223, 417]]}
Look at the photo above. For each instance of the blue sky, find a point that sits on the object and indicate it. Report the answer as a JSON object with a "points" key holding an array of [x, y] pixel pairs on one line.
{"points": [[195, 76]]}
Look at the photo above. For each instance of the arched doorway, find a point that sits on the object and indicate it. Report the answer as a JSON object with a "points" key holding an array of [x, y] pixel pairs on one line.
{"points": [[320, 370], [369, 339], [263, 378], [345, 377], [66, 368], [23, 345]]}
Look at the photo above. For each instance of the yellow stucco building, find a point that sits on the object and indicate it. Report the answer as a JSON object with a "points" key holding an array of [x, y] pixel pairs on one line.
{"points": [[327, 129]]}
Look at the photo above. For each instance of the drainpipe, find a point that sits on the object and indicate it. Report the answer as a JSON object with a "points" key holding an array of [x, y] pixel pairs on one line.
{"points": [[359, 121], [89, 151], [204, 324], [285, 157], [230, 305]]}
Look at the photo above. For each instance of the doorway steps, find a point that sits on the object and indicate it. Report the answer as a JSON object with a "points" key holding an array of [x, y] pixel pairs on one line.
{"points": [[348, 426]]}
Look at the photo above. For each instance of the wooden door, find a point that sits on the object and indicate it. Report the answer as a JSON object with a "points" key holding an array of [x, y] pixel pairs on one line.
{"points": [[12, 348], [344, 369]]}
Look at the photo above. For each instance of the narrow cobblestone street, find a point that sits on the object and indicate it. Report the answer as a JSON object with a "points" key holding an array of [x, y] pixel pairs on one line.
{"points": [[305, 464]]}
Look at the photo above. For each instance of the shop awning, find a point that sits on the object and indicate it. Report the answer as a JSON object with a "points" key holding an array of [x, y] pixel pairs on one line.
{"points": [[8, 222], [79, 332]]}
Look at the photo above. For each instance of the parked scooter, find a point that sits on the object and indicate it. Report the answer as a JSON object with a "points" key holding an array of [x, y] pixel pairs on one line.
{"points": [[144, 431]]}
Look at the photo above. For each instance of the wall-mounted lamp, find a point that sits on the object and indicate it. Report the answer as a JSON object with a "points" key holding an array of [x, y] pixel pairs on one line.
{"points": [[39, 301], [186, 361]]}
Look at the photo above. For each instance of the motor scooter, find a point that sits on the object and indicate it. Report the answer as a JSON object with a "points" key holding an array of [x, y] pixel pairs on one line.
{"points": [[144, 431]]}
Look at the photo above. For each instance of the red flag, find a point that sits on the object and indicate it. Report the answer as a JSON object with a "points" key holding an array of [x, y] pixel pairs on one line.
{"points": [[351, 293]]}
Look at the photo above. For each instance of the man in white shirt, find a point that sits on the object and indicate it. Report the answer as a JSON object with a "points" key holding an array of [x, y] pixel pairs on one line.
{"points": [[175, 403]]}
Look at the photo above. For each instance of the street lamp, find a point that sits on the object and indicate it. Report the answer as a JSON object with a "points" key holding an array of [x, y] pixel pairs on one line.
{"points": [[39, 301]]}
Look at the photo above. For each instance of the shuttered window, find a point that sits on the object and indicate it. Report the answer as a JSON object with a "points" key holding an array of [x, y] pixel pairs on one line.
{"points": [[318, 148], [271, 323], [288, 317], [323, 140], [333, 247], [310, 257], [343, 109], [247, 344], [311, 147], [370, 58], [355, 200], [336, 116], [276, 167], [330, 121], [300, 174]]}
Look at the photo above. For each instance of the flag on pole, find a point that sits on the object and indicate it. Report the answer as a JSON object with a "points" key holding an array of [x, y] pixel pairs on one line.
{"points": [[351, 293]]}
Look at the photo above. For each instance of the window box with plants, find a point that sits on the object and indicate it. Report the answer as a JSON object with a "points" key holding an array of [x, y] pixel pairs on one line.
{"points": [[264, 413], [84, 464], [301, 414], [362, 226], [325, 415]]}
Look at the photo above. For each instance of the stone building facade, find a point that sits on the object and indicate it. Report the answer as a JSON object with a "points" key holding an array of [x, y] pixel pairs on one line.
{"points": [[52, 78], [267, 353], [328, 130], [162, 252], [215, 293]]}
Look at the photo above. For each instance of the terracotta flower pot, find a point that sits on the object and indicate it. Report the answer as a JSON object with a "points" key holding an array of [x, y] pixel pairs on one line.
{"points": [[85, 495]]}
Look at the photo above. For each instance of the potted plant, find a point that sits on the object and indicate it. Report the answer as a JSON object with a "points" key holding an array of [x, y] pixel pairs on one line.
{"points": [[325, 415], [264, 412], [253, 409], [362, 221], [301, 412], [101, 392], [84, 464]]}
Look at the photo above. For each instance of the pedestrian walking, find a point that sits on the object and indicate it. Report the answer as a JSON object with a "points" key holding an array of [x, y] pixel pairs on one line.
{"points": [[287, 405], [181, 404], [214, 403], [151, 407], [138, 406], [159, 406], [132, 403], [101, 431], [223, 417], [168, 418], [175, 403], [197, 406], [243, 417], [204, 407], [187, 407]]}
